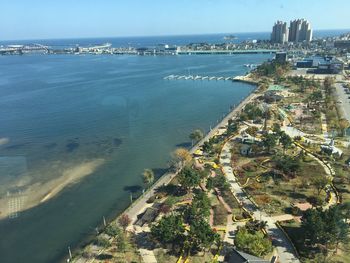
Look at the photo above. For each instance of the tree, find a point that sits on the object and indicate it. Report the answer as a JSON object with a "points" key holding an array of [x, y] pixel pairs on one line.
{"points": [[315, 96], [232, 127], [220, 182], [169, 230], [181, 157], [199, 208], [320, 182], [121, 242], [328, 83], [253, 243], [287, 164], [276, 128], [324, 227], [124, 221], [285, 140], [345, 210], [252, 131], [148, 176], [269, 141], [165, 208], [344, 125], [201, 235], [315, 201], [189, 178], [207, 147], [210, 183], [112, 230], [196, 136]]}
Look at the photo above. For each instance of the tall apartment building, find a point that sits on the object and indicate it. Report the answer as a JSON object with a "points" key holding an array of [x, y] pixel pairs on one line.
{"points": [[279, 32], [298, 31]]}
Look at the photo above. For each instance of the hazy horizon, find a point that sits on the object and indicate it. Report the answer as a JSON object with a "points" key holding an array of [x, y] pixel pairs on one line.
{"points": [[166, 35]]}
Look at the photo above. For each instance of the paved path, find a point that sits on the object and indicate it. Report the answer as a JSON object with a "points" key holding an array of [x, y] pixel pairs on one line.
{"points": [[140, 205], [328, 170], [147, 256], [284, 247]]}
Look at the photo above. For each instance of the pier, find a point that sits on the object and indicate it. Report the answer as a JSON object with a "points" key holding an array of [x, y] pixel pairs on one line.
{"points": [[209, 78], [197, 77]]}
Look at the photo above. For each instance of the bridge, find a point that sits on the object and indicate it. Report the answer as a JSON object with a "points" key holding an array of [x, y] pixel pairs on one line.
{"points": [[20, 49], [226, 52]]}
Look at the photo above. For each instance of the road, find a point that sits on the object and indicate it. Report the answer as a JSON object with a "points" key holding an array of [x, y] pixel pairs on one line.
{"points": [[344, 98]]}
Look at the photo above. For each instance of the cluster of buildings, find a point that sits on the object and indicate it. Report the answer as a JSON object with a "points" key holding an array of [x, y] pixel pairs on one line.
{"points": [[321, 65], [299, 30]]}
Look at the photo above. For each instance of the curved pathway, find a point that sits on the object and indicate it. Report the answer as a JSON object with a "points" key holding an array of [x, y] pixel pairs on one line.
{"points": [[285, 249]]}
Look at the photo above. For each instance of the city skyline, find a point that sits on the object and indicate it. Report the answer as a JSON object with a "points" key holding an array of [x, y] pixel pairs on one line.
{"points": [[80, 19], [299, 30]]}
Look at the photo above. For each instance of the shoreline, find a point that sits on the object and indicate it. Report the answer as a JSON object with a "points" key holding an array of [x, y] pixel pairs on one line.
{"points": [[140, 203]]}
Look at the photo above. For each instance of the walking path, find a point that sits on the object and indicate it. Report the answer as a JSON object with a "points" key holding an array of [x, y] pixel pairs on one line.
{"points": [[147, 256], [284, 247], [140, 205]]}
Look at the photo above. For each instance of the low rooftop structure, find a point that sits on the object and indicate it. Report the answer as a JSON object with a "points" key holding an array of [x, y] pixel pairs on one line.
{"points": [[303, 206], [242, 257], [149, 215]]}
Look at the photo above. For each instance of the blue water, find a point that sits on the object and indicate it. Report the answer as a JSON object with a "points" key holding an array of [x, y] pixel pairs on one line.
{"points": [[59, 111], [170, 40]]}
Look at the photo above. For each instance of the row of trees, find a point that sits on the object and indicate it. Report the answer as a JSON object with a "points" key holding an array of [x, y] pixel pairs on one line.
{"points": [[272, 69], [333, 118]]}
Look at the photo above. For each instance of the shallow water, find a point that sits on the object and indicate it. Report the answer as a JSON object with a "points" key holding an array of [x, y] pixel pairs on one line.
{"points": [[59, 111]]}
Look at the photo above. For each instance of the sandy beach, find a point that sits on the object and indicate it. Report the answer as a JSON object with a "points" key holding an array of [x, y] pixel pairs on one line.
{"points": [[38, 193]]}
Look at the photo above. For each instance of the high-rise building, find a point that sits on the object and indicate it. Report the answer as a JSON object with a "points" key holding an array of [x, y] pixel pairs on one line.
{"points": [[300, 30], [279, 32]]}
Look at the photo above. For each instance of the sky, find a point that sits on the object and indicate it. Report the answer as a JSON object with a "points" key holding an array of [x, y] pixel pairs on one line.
{"points": [[45, 19]]}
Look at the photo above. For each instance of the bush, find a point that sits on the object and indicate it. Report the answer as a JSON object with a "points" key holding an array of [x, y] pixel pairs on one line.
{"points": [[253, 243], [102, 242], [112, 230]]}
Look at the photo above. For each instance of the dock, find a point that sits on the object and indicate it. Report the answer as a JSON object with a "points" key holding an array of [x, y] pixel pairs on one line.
{"points": [[197, 77]]}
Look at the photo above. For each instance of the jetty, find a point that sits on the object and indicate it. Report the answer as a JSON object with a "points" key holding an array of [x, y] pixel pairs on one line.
{"points": [[245, 79], [197, 77]]}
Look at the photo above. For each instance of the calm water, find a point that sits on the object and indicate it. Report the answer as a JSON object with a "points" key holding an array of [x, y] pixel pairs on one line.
{"points": [[171, 40], [60, 111]]}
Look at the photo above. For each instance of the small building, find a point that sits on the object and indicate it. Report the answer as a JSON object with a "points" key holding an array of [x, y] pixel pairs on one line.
{"points": [[306, 63], [242, 257], [331, 149], [149, 215], [271, 96], [246, 150], [281, 57], [330, 67]]}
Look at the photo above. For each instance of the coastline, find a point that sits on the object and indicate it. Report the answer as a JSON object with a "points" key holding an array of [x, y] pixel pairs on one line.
{"points": [[139, 204]]}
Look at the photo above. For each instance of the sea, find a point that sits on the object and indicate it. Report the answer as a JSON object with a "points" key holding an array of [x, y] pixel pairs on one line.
{"points": [[104, 116]]}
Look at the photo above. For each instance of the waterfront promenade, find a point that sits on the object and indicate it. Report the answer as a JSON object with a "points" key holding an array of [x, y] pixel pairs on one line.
{"points": [[140, 204]]}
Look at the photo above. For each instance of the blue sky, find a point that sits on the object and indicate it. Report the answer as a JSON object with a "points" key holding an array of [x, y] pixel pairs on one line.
{"points": [[40, 19]]}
